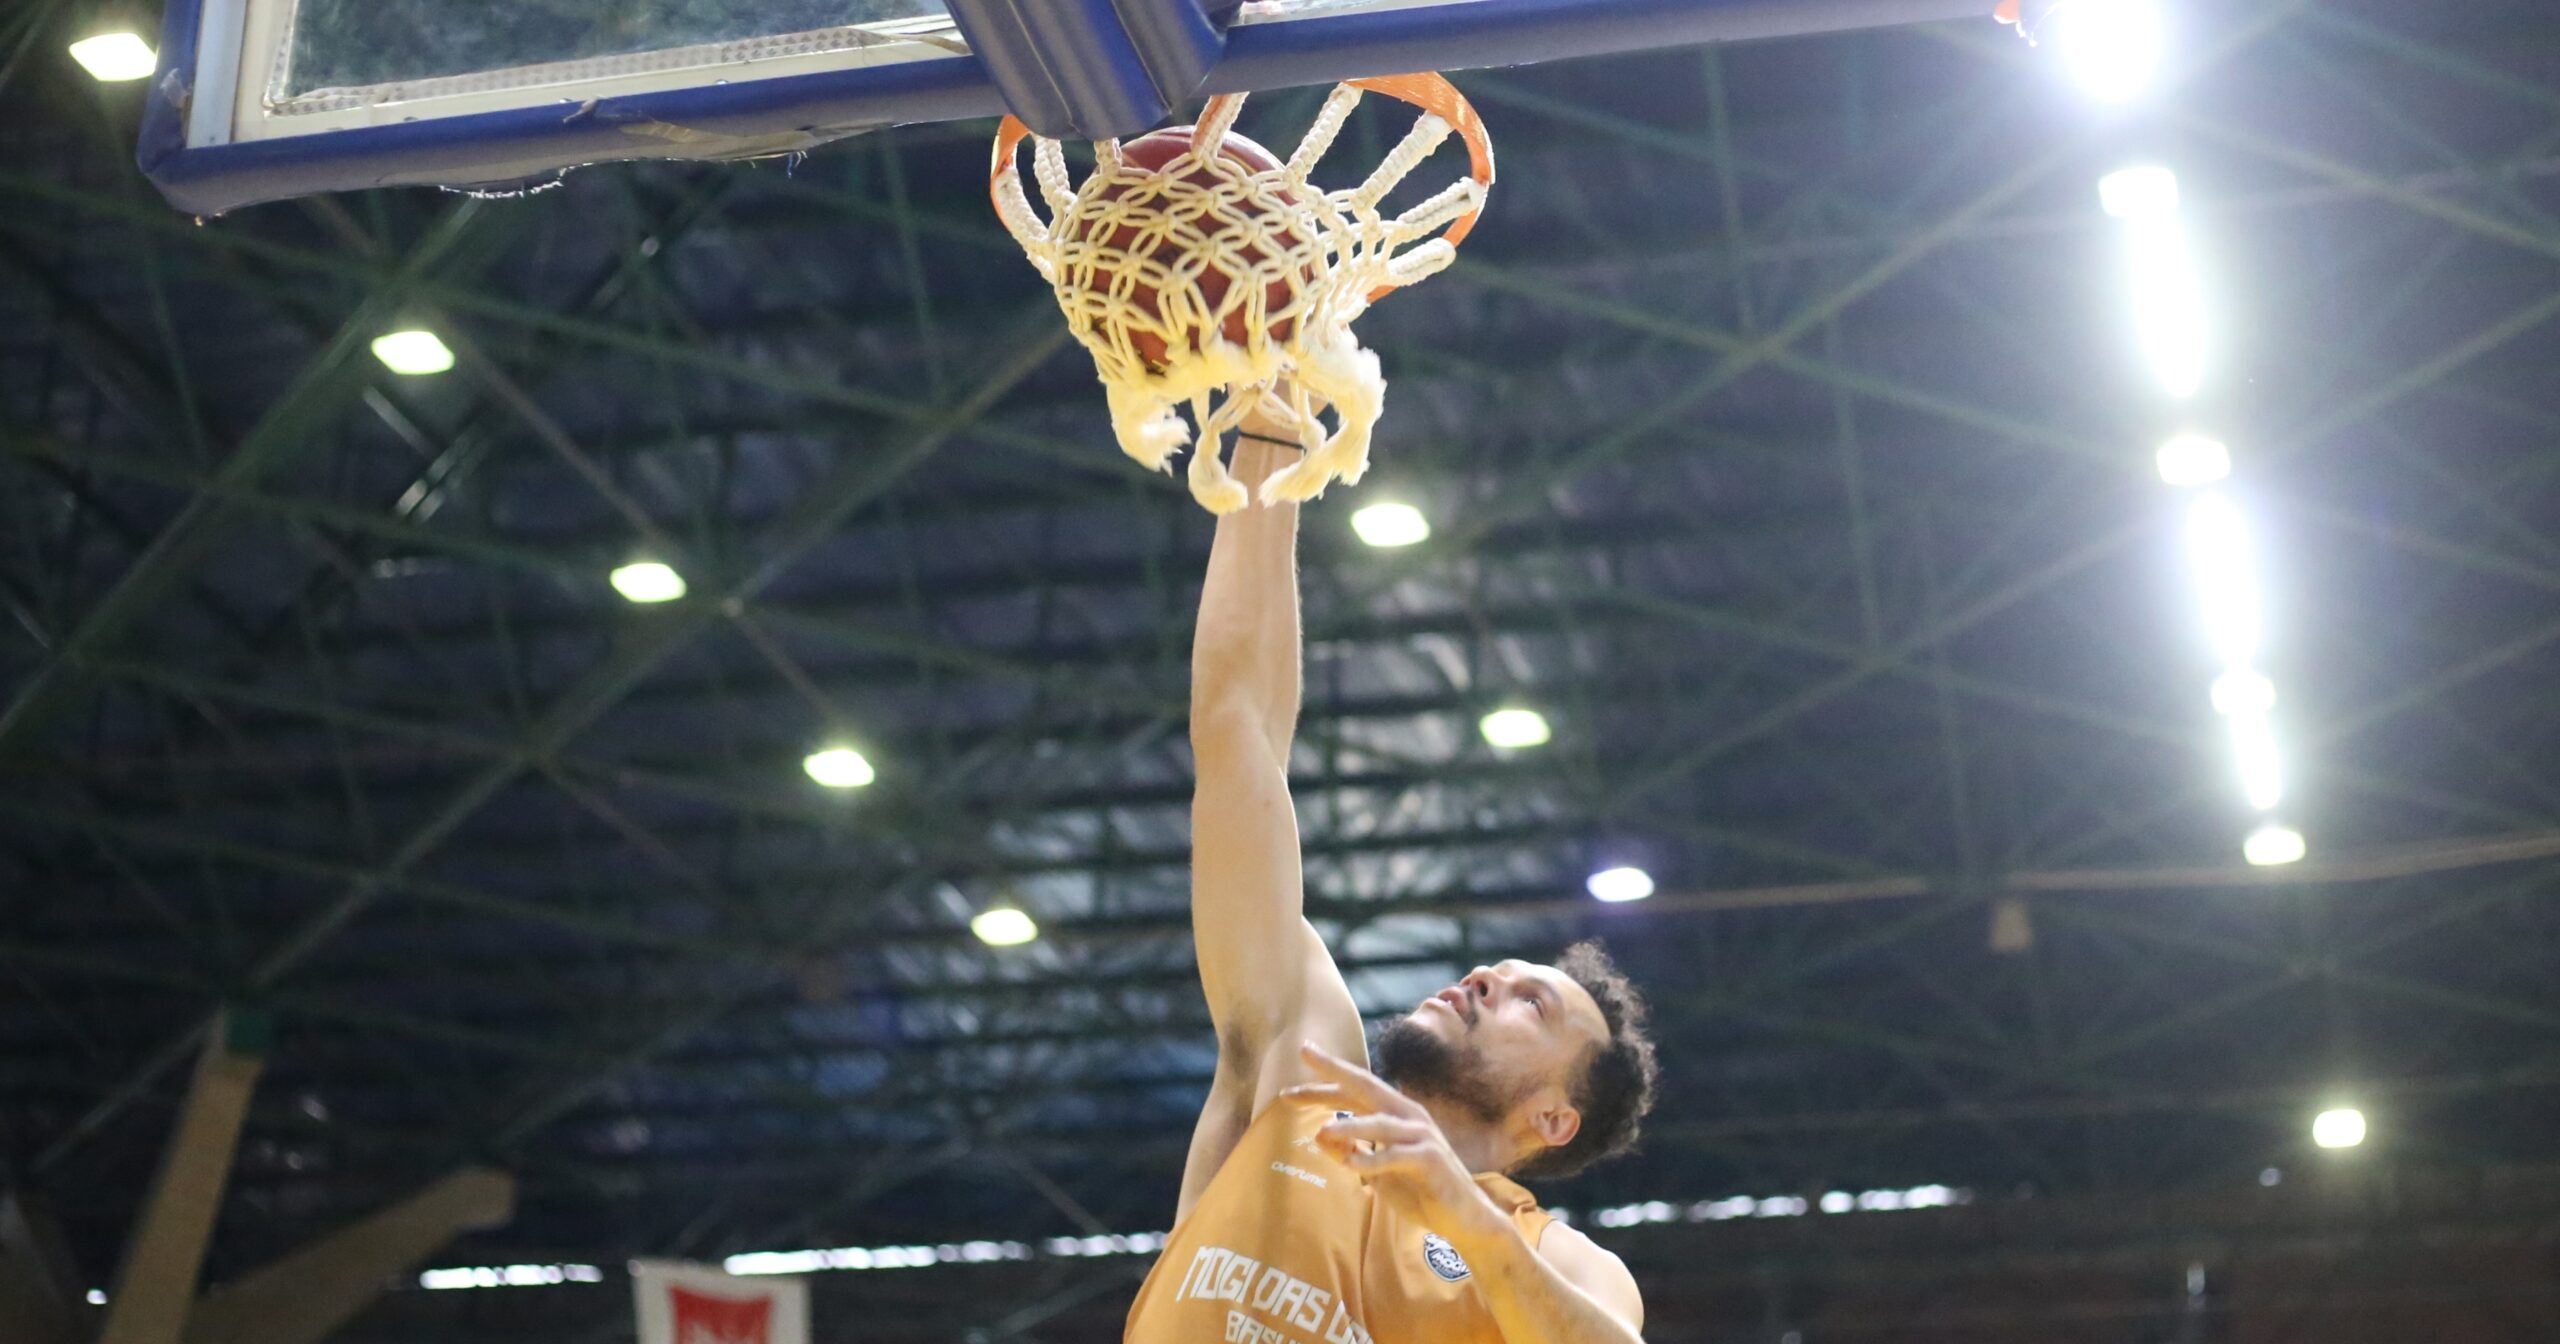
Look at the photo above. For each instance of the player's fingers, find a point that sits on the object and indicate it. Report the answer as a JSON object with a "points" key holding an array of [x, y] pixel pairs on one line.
{"points": [[1330, 1064], [1358, 1081], [1370, 1129], [1386, 1160], [1329, 1093]]}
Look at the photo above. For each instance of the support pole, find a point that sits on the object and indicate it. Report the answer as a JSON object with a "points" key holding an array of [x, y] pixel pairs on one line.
{"points": [[303, 1297], [157, 1283]]}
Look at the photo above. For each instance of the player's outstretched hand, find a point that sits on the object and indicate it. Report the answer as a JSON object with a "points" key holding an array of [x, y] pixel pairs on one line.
{"points": [[1397, 1148]]}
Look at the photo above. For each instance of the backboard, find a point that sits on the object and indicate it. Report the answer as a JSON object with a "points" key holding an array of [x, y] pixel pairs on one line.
{"points": [[263, 99]]}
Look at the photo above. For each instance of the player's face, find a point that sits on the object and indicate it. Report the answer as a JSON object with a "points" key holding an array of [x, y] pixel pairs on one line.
{"points": [[1507, 1035]]}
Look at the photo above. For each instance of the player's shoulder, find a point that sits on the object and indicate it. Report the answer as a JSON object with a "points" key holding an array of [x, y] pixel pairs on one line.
{"points": [[1593, 1268], [1563, 1242]]}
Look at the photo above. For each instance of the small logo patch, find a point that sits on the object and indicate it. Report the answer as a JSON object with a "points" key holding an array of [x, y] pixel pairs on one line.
{"points": [[1443, 1257]]}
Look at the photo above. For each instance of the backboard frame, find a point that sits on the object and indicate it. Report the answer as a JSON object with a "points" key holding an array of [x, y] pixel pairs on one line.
{"points": [[186, 148]]}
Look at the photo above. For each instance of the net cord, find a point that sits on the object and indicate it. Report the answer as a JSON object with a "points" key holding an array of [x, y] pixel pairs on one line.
{"points": [[1130, 254]]}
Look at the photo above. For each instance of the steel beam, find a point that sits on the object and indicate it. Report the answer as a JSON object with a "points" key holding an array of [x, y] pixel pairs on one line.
{"points": [[291, 427], [156, 1286], [853, 484], [102, 353], [306, 1296]]}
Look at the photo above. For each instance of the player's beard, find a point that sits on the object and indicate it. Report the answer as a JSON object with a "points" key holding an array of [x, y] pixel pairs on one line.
{"points": [[1418, 1063]]}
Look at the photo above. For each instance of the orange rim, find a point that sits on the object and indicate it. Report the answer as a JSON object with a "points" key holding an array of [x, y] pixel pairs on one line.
{"points": [[1430, 92], [1009, 138], [1440, 98]]}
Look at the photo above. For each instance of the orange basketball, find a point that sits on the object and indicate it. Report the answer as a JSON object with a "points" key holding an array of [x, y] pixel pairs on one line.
{"points": [[1236, 231]]}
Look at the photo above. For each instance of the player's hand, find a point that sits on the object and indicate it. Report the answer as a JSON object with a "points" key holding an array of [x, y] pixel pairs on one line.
{"points": [[1272, 417], [1397, 1149]]}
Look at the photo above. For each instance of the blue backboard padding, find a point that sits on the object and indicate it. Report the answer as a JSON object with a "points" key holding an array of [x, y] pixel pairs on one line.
{"points": [[1494, 33], [772, 116], [164, 110], [1091, 69], [753, 118]]}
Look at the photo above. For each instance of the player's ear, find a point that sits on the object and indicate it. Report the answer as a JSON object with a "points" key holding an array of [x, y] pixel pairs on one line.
{"points": [[1556, 1121]]}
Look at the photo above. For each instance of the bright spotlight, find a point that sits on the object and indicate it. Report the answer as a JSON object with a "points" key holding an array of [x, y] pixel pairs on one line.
{"points": [[648, 581], [840, 768], [2193, 459], [1620, 885], [114, 58], [2218, 546], [2144, 191], [412, 352], [2240, 693], [1388, 525], [1004, 926], [2273, 846], [2112, 47], [2261, 772], [1516, 729], [2339, 1128], [2168, 306]]}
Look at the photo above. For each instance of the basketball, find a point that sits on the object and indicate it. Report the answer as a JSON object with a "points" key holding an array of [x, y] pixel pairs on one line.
{"points": [[1205, 274], [1213, 231]]}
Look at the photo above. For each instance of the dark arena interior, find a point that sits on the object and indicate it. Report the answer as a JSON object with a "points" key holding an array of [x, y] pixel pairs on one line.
{"points": [[1788, 446]]}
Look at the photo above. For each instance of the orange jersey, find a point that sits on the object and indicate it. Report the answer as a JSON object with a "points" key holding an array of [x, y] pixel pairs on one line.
{"points": [[1286, 1246]]}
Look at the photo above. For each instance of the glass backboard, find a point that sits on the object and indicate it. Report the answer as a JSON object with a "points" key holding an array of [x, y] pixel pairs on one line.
{"points": [[363, 45], [263, 99]]}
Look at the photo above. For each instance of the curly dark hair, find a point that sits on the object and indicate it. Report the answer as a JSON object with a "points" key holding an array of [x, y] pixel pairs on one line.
{"points": [[1617, 1084]]}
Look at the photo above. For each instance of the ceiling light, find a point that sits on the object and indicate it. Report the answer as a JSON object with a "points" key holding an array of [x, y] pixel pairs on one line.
{"points": [[2193, 459], [1619, 885], [1391, 524], [2218, 547], [2339, 1128], [2240, 692], [840, 768], [648, 581], [1004, 926], [2261, 773], [412, 352], [2013, 927], [2112, 47], [1515, 729], [2273, 846], [2168, 306], [114, 58], [2144, 191]]}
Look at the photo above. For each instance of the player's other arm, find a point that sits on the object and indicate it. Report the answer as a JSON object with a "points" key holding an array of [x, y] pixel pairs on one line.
{"points": [[1565, 1290], [1269, 981]]}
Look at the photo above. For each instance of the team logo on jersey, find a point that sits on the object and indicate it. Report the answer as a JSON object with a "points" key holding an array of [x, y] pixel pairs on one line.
{"points": [[1443, 1257]]}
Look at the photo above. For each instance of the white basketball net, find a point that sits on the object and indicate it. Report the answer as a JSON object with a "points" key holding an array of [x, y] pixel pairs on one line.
{"points": [[1264, 231]]}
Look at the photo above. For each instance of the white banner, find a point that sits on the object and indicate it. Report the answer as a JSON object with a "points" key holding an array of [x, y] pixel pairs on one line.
{"points": [[688, 1304]]}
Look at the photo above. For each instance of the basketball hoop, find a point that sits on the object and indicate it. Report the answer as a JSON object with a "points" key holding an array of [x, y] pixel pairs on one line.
{"points": [[1223, 280]]}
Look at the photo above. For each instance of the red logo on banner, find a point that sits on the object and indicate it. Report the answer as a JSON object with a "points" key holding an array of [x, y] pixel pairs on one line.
{"points": [[703, 1319]]}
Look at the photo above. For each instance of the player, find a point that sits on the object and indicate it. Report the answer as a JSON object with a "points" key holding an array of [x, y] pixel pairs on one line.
{"points": [[1323, 1203]]}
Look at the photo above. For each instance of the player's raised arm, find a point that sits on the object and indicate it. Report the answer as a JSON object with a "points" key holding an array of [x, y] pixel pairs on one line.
{"points": [[1269, 981]]}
